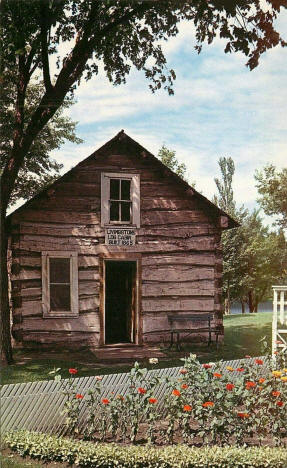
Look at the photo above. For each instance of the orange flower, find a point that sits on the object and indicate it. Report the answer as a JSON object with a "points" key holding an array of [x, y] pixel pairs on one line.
{"points": [[184, 386], [105, 401], [260, 388], [243, 415], [142, 390], [79, 396], [249, 385], [73, 371], [120, 397], [187, 408], [240, 369], [259, 362], [217, 375], [276, 393], [261, 380], [275, 352], [183, 371], [153, 401], [176, 392], [207, 404], [206, 366], [279, 403], [229, 386]]}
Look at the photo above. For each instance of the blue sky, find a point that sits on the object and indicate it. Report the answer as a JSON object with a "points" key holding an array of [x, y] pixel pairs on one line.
{"points": [[220, 108]]}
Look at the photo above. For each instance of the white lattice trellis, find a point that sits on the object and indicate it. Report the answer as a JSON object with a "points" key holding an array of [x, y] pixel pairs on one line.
{"points": [[279, 324]]}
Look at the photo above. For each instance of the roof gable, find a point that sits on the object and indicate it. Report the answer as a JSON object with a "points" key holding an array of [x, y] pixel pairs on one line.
{"points": [[123, 144]]}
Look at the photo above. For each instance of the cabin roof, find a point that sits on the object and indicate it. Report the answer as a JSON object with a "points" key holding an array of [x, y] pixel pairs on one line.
{"points": [[125, 144]]}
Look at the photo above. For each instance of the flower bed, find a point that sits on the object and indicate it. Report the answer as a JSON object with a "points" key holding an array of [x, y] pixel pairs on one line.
{"points": [[202, 406]]}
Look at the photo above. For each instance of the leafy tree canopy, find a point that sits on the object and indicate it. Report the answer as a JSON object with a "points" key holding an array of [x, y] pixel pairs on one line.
{"points": [[38, 169], [169, 158], [272, 186]]}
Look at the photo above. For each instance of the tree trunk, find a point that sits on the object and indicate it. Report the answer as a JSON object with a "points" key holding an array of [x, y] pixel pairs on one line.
{"points": [[242, 306], [251, 303], [226, 306], [6, 346]]}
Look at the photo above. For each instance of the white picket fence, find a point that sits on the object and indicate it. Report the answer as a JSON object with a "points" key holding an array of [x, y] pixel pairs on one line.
{"points": [[38, 406]]}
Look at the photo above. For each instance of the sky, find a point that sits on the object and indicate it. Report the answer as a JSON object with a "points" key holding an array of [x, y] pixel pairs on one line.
{"points": [[219, 108]]}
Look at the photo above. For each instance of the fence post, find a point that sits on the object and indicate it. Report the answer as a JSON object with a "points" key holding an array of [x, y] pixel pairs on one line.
{"points": [[279, 322]]}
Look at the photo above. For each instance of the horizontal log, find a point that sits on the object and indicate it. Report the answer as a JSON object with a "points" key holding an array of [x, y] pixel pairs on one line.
{"points": [[64, 338], [68, 203], [60, 217], [176, 273], [50, 229], [88, 322], [196, 244], [167, 203], [205, 258], [176, 289], [149, 218], [175, 305]]}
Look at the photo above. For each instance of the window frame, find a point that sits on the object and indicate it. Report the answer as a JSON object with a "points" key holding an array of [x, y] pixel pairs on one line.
{"points": [[134, 198], [74, 298]]}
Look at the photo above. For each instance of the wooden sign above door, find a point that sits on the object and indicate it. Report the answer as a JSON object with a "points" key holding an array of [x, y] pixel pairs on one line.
{"points": [[120, 236]]}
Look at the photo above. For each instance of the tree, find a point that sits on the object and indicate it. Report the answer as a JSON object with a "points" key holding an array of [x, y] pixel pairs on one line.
{"points": [[272, 186], [113, 33], [253, 257], [168, 158], [39, 169]]}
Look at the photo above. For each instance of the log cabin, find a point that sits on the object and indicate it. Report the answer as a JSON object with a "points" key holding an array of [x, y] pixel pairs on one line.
{"points": [[109, 250]]}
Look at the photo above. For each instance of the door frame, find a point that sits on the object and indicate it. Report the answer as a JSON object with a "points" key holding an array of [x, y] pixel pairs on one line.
{"points": [[121, 257]]}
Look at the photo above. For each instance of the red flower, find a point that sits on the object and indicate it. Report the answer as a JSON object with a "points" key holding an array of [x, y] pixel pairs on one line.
{"points": [[187, 408], [206, 366], [217, 375], [153, 401], [259, 362], [73, 371], [279, 403], [176, 392], [249, 385], [243, 415], [229, 386], [240, 369], [275, 352], [142, 390], [276, 393], [105, 401], [183, 371], [207, 404], [79, 396], [184, 386], [261, 380]]}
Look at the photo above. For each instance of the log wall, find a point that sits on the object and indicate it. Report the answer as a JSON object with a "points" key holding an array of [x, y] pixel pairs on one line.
{"points": [[179, 243]]}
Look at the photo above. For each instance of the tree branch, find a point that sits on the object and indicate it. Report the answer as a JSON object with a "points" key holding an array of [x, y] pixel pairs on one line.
{"points": [[44, 46]]}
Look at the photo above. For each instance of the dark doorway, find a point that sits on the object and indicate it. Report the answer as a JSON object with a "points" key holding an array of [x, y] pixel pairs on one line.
{"points": [[120, 280]]}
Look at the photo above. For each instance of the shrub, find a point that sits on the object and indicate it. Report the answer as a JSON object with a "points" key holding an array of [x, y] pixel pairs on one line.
{"points": [[87, 454]]}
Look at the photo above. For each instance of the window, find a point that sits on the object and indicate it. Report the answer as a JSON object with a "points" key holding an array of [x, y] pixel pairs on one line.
{"points": [[120, 199], [60, 284]]}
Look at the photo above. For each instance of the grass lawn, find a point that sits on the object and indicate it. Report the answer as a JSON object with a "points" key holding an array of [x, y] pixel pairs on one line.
{"points": [[242, 336]]}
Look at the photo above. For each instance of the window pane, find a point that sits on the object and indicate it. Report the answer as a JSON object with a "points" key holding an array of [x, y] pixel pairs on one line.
{"points": [[114, 189], [126, 209], [59, 270], [125, 190], [60, 297], [114, 211]]}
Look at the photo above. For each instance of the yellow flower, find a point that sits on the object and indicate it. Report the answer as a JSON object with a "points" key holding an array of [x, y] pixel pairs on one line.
{"points": [[230, 368], [276, 373], [285, 370], [284, 379]]}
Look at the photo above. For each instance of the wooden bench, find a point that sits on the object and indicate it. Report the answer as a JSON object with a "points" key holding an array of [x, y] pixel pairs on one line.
{"points": [[205, 326]]}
